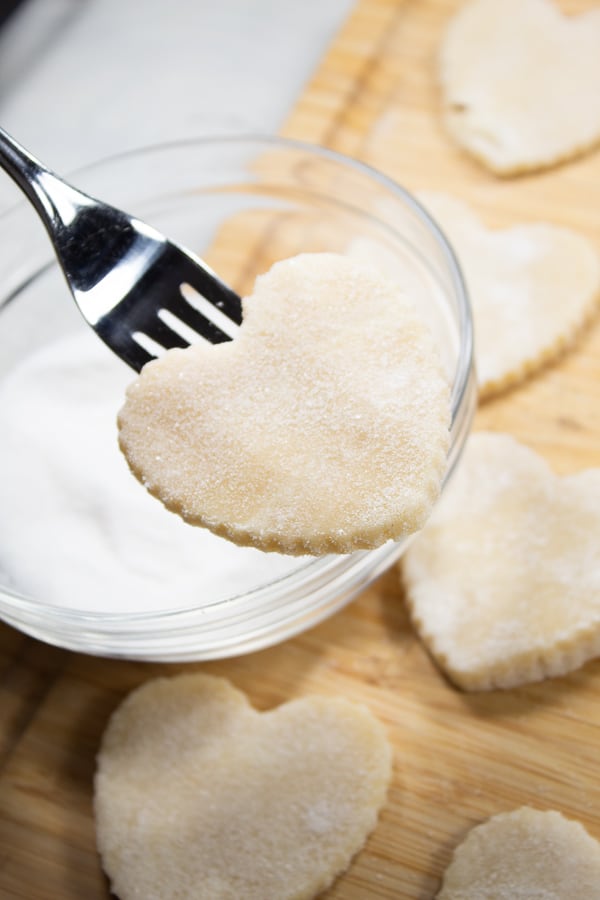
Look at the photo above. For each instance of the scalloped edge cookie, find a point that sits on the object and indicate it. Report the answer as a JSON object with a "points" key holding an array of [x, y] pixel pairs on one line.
{"points": [[503, 583], [323, 427], [520, 82], [198, 795], [522, 855], [533, 288]]}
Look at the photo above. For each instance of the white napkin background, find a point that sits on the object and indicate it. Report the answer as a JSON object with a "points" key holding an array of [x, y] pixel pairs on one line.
{"points": [[84, 79]]}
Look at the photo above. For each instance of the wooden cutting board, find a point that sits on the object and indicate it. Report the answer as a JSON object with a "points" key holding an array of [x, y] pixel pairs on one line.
{"points": [[458, 758]]}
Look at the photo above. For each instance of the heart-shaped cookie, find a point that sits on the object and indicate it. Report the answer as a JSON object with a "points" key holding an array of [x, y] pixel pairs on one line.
{"points": [[524, 855], [532, 288], [322, 427], [503, 582], [520, 83], [199, 796]]}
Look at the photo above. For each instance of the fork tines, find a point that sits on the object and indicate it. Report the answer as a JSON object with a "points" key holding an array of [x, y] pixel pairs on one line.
{"points": [[187, 303]]}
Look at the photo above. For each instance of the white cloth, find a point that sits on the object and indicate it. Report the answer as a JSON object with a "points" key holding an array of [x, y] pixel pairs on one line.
{"points": [[83, 79]]}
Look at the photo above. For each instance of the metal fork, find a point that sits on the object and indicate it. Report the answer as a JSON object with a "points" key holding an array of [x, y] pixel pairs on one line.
{"points": [[139, 291]]}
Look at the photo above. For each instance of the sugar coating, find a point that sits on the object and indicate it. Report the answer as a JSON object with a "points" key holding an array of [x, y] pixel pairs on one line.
{"points": [[197, 795], [532, 288], [520, 83], [527, 854], [323, 427], [503, 583]]}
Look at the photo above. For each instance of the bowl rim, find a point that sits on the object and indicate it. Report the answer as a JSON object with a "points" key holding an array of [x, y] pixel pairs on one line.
{"points": [[22, 611], [466, 356]]}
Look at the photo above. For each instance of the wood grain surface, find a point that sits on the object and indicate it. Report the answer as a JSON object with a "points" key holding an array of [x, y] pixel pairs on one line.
{"points": [[458, 758]]}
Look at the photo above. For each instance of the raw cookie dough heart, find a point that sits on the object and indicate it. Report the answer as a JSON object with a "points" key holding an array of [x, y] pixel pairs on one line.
{"points": [[532, 288], [525, 855], [200, 797], [503, 583], [323, 427], [520, 83]]}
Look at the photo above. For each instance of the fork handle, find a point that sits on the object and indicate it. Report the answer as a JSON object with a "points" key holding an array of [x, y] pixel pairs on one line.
{"points": [[56, 201]]}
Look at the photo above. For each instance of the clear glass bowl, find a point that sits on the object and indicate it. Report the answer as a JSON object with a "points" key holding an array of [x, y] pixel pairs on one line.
{"points": [[242, 203]]}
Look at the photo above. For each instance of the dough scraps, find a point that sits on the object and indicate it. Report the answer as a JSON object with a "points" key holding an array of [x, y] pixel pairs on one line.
{"points": [[323, 427], [503, 583], [199, 796], [520, 83]]}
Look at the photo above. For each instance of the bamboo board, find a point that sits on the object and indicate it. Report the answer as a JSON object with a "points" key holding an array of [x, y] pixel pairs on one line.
{"points": [[458, 758]]}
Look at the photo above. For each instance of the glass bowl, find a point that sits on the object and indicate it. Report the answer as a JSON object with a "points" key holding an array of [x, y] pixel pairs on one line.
{"points": [[86, 568]]}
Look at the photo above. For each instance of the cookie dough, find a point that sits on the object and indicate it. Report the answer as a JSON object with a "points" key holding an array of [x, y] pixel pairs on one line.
{"points": [[199, 796], [520, 83], [322, 427], [527, 854], [503, 583], [532, 288]]}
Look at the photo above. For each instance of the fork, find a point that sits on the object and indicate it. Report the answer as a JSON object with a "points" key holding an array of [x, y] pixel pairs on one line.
{"points": [[141, 293]]}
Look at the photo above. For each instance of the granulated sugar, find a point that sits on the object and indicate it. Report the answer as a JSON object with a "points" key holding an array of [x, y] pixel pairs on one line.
{"points": [[76, 528]]}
